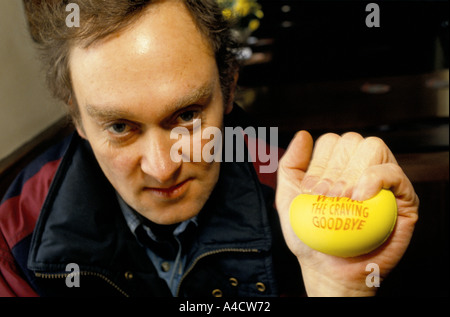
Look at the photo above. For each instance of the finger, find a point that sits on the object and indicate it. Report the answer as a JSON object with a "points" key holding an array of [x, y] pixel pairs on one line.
{"points": [[332, 181], [388, 176], [370, 151], [322, 154]]}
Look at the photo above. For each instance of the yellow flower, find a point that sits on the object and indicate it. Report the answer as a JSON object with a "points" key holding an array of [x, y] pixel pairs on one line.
{"points": [[254, 24], [242, 7], [259, 14], [244, 12], [227, 13]]}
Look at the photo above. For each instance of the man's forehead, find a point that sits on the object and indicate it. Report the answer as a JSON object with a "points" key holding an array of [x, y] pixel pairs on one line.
{"points": [[159, 55]]}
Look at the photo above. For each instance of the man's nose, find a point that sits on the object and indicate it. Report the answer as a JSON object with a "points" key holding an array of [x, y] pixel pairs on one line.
{"points": [[156, 161]]}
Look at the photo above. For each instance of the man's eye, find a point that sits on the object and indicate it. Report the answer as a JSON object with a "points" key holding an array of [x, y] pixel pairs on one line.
{"points": [[187, 116], [118, 128]]}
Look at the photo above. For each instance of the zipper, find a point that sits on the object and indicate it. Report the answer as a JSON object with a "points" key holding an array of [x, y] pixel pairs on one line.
{"points": [[197, 259], [81, 273], [111, 283]]}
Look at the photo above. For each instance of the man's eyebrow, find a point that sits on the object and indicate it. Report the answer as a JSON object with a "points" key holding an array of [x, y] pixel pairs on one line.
{"points": [[195, 96], [111, 112], [102, 112]]}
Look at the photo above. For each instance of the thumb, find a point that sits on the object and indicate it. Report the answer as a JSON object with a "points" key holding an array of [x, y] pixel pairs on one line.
{"points": [[298, 153], [292, 169]]}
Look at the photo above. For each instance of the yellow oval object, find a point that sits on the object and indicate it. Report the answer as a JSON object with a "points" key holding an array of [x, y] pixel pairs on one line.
{"points": [[341, 226]]}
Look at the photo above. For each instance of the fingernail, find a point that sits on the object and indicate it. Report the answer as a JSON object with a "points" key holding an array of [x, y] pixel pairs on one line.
{"points": [[357, 194], [321, 188], [309, 182], [337, 190]]}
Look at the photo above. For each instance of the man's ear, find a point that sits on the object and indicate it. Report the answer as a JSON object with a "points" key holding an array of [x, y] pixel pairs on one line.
{"points": [[230, 103], [80, 130]]}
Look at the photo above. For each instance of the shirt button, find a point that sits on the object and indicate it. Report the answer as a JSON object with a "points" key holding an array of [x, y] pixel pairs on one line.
{"points": [[165, 266]]}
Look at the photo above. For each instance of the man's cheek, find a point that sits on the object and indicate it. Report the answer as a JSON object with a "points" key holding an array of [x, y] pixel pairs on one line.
{"points": [[118, 166]]}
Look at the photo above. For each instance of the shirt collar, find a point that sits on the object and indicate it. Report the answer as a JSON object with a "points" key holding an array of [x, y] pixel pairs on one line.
{"points": [[134, 220]]}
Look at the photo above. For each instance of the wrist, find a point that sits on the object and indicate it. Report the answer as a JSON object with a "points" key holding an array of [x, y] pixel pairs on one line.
{"points": [[318, 284]]}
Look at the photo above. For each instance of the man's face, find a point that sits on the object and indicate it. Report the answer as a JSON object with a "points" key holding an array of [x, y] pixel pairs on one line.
{"points": [[132, 89]]}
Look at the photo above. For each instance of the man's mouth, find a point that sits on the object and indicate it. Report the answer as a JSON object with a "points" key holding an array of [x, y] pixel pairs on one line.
{"points": [[171, 192]]}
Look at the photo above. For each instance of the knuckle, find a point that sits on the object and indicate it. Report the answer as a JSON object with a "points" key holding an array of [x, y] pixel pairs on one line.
{"points": [[378, 148], [396, 168], [375, 142], [372, 173], [352, 136], [328, 137]]}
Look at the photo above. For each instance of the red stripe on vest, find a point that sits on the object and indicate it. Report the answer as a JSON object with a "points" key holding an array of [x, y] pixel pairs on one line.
{"points": [[269, 179], [18, 215]]}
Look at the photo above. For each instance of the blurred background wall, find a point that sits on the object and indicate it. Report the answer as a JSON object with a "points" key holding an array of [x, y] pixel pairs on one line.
{"points": [[26, 107]]}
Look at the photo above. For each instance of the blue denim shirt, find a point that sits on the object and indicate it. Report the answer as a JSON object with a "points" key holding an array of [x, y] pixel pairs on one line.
{"points": [[169, 270]]}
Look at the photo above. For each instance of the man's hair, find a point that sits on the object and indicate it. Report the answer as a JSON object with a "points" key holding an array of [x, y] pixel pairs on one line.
{"points": [[98, 19]]}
